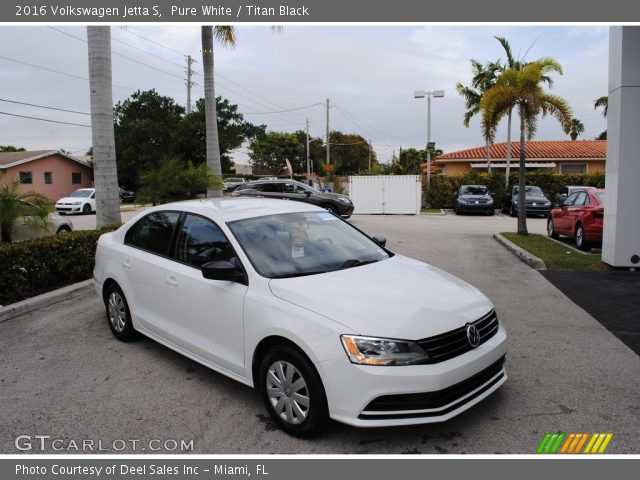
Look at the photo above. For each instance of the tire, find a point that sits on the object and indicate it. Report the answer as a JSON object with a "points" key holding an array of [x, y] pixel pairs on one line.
{"points": [[118, 314], [63, 229], [580, 239], [512, 212], [86, 209], [491, 212], [551, 230], [285, 406], [331, 208]]}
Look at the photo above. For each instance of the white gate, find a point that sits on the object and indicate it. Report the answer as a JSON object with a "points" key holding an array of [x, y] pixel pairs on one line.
{"points": [[390, 194]]}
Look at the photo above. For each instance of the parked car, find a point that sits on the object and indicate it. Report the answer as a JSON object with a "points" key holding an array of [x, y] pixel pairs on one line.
{"points": [[474, 198], [82, 200], [126, 196], [537, 202], [568, 190], [298, 303], [32, 226], [292, 190], [579, 217], [231, 183]]}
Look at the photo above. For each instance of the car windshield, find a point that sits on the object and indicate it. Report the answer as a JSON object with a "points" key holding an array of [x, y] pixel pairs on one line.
{"points": [[474, 190], [306, 243], [600, 197], [531, 190], [81, 193]]}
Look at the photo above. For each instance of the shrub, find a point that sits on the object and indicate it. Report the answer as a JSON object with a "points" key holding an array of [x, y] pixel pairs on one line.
{"points": [[37, 266]]}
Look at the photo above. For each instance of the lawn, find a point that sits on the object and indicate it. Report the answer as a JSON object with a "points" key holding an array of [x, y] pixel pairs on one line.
{"points": [[556, 256]]}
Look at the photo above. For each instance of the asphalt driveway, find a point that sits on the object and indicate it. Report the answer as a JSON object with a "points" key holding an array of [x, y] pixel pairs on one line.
{"points": [[63, 374]]}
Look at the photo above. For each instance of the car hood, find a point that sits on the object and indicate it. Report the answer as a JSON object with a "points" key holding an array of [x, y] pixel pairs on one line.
{"points": [[72, 199], [398, 298], [331, 195], [536, 198]]}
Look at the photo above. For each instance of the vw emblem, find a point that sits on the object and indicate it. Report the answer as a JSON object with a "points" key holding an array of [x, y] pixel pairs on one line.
{"points": [[473, 336]]}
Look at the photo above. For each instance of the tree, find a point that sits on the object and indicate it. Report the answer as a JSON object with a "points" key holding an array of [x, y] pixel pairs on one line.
{"points": [[272, 151], [104, 151], [145, 126], [16, 204], [349, 153], [577, 128], [602, 102], [233, 131], [523, 88], [11, 148], [174, 180], [409, 161], [484, 77]]}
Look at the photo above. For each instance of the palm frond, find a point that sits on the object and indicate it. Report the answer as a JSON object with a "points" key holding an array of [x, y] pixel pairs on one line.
{"points": [[225, 34]]}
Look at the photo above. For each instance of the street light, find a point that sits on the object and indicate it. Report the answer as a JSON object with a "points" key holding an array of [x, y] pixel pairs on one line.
{"points": [[422, 94]]}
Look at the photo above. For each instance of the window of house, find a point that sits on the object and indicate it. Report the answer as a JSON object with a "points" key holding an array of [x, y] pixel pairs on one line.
{"points": [[48, 178], [26, 177], [573, 168], [76, 177]]}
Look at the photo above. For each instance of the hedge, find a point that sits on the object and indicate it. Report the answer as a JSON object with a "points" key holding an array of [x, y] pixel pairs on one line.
{"points": [[444, 188], [37, 266]]}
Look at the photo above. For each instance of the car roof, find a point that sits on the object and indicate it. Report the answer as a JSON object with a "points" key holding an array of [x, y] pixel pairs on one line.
{"points": [[279, 180], [228, 209]]}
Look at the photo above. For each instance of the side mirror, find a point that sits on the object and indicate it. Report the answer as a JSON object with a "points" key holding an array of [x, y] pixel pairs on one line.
{"points": [[222, 270], [380, 240], [307, 193]]}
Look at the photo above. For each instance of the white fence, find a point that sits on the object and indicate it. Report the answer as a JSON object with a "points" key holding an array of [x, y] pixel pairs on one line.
{"points": [[386, 194]]}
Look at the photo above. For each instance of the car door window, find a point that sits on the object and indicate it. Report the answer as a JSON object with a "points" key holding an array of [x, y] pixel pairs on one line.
{"points": [[201, 241], [570, 200], [153, 232], [272, 187], [580, 199]]}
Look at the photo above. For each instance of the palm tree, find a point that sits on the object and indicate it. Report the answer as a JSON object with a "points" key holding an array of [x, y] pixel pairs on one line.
{"points": [[104, 149], [602, 102], [577, 128], [484, 77], [522, 88], [15, 204], [227, 37]]}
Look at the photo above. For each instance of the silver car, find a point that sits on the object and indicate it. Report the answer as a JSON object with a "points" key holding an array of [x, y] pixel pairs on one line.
{"points": [[29, 227]]}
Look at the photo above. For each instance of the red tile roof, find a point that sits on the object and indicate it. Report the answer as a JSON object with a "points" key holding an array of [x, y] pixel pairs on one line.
{"points": [[535, 150]]}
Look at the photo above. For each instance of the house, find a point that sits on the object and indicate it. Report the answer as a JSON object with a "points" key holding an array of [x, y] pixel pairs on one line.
{"points": [[52, 173], [557, 156]]}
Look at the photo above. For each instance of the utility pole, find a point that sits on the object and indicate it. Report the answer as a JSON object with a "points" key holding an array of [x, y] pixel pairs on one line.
{"points": [[190, 62], [369, 156], [308, 164], [328, 158]]}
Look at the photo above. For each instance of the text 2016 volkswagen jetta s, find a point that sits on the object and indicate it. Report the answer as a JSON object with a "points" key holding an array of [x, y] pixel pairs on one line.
{"points": [[320, 318]]}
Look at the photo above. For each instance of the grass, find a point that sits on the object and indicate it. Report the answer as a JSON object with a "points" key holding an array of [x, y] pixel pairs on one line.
{"points": [[556, 256], [431, 211]]}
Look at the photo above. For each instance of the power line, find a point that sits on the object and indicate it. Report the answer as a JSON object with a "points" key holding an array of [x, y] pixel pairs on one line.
{"points": [[283, 111], [43, 106], [44, 119], [152, 41], [145, 52]]}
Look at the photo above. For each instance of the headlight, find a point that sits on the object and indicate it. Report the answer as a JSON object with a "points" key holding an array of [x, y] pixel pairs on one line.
{"points": [[462, 200], [344, 200], [490, 200], [547, 203], [382, 351], [77, 203]]}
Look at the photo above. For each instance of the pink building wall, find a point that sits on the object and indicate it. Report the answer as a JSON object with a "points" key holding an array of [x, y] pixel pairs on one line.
{"points": [[61, 169]]}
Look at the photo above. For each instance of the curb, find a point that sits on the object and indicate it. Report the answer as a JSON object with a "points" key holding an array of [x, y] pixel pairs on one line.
{"points": [[440, 213], [531, 260], [56, 296]]}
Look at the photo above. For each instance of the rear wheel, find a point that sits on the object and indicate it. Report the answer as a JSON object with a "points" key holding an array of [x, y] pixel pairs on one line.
{"points": [[581, 241], [118, 314], [292, 392], [63, 229], [551, 229]]}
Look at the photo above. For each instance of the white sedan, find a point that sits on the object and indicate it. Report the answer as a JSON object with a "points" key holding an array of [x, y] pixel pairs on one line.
{"points": [[319, 317], [82, 200]]}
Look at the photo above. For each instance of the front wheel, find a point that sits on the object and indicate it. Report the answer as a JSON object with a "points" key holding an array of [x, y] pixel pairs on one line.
{"points": [[551, 229], [512, 211], [86, 209], [292, 392], [581, 242]]}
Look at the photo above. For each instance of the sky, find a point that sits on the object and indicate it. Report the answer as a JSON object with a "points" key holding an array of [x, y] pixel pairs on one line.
{"points": [[368, 73]]}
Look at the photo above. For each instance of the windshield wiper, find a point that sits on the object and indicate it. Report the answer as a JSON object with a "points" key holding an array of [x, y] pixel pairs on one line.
{"points": [[301, 274], [355, 262]]}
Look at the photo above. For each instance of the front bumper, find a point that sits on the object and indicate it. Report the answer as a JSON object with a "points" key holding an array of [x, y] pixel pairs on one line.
{"points": [[368, 396], [345, 211], [474, 207], [68, 208], [536, 209]]}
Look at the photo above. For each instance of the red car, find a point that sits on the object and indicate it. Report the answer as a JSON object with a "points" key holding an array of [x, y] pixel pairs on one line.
{"points": [[580, 217]]}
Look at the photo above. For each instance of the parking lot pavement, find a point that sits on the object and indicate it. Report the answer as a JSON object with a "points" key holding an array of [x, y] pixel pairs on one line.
{"points": [[63, 374]]}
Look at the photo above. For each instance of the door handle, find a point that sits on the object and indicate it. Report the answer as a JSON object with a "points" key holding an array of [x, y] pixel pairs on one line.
{"points": [[127, 264], [172, 282]]}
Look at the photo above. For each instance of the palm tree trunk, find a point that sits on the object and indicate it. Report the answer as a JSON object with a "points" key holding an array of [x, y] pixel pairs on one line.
{"points": [[488, 150], [522, 181], [508, 156], [211, 115], [104, 148]]}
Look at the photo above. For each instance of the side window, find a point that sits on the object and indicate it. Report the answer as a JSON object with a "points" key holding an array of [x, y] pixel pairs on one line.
{"points": [[273, 187], [580, 199], [570, 199], [201, 241], [153, 233]]}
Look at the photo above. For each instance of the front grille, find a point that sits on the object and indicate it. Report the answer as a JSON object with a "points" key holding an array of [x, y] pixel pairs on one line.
{"points": [[447, 397], [451, 344]]}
